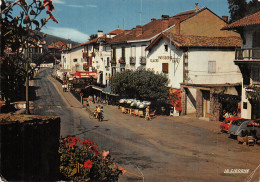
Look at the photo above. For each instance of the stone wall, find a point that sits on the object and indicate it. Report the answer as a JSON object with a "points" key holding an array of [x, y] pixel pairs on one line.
{"points": [[29, 147], [199, 103]]}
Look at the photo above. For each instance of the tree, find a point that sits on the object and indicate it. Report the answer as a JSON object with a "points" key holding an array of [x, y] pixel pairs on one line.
{"points": [[241, 8], [237, 9], [20, 25], [141, 84], [92, 36], [253, 7]]}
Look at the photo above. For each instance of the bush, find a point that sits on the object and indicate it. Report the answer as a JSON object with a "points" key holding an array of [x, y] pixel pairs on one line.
{"points": [[82, 161]]}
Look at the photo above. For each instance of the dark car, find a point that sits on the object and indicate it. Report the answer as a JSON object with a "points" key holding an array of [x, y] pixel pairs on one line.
{"points": [[252, 129], [237, 126]]}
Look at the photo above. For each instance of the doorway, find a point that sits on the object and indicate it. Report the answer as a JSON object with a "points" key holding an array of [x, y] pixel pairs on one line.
{"points": [[206, 103]]}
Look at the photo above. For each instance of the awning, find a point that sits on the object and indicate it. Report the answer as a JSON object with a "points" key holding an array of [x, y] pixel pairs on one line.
{"points": [[97, 88], [108, 91]]}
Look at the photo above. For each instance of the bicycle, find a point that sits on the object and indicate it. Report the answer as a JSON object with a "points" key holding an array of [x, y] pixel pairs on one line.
{"points": [[100, 117], [91, 115]]}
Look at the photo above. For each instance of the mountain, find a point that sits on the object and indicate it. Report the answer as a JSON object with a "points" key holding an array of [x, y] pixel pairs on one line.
{"points": [[51, 39]]}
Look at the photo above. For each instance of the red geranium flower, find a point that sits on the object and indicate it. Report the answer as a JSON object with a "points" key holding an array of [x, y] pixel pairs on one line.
{"points": [[72, 144], [105, 153], [88, 164]]}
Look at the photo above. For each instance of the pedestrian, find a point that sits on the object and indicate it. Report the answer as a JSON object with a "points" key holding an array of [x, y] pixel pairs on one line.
{"points": [[63, 87], [68, 86], [95, 97], [147, 114], [95, 112]]}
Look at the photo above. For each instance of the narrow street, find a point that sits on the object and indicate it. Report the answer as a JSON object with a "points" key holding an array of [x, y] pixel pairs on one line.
{"points": [[164, 149]]}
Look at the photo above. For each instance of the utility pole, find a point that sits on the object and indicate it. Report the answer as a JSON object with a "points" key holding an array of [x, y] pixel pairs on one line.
{"points": [[27, 87]]}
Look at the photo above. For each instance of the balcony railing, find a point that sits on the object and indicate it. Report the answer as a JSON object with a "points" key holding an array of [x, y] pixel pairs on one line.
{"points": [[132, 60], [142, 60], [248, 54]]}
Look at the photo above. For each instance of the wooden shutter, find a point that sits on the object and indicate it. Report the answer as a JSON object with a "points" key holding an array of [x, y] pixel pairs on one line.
{"points": [[165, 67], [212, 67]]}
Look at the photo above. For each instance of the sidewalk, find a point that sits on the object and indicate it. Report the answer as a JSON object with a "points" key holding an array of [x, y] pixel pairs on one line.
{"points": [[188, 119]]}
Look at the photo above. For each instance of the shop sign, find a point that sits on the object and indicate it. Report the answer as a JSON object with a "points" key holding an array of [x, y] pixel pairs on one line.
{"points": [[164, 58], [85, 74]]}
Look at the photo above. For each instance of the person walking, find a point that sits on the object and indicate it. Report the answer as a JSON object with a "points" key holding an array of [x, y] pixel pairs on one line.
{"points": [[67, 87], [147, 114], [95, 99], [63, 87]]}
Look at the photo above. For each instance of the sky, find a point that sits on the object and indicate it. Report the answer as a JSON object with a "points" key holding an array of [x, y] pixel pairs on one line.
{"points": [[78, 19]]}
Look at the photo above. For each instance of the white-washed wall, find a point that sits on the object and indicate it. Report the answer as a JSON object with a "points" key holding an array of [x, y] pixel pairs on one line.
{"points": [[198, 66], [158, 55]]}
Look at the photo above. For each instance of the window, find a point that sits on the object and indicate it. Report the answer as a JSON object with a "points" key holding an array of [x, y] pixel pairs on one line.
{"points": [[165, 67], [114, 54], [123, 53], [107, 61], [256, 74], [166, 48], [143, 50], [75, 60], [212, 67], [133, 51], [256, 39]]}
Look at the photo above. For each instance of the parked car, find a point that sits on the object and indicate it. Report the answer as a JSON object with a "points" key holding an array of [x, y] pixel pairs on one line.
{"points": [[226, 124], [252, 129], [237, 126]]}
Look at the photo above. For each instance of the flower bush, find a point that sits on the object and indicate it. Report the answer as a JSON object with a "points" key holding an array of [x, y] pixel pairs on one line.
{"points": [[82, 161]]}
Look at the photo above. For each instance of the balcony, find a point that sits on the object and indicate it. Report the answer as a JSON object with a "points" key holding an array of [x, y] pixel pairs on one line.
{"points": [[248, 54], [122, 60], [132, 60], [142, 60]]}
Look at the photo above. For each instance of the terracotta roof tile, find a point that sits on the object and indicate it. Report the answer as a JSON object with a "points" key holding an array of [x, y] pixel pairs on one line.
{"points": [[198, 41], [58, 45], [114, 32], [253, 19], [152, 28], [203, 41]]}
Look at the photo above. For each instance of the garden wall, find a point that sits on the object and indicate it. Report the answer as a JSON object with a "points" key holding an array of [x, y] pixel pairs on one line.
{"points": [[29, 147]]}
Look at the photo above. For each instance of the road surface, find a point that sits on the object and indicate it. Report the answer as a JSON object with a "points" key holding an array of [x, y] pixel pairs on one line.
{"points": [[164, 149]]}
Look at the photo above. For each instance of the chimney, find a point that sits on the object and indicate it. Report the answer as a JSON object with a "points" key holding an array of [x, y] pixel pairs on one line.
{"points": [[177, 26], [100, 33], [165, 17], [225, 18], [153, 19], [165, 21], [138, 30], [197, 6]]}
